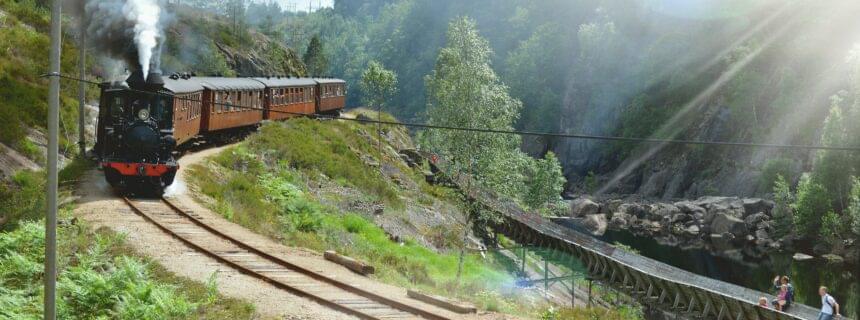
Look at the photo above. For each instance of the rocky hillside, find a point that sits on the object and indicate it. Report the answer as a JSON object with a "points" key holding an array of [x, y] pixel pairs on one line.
{"points": [[205, 43], [773, 80], [729, 226]]}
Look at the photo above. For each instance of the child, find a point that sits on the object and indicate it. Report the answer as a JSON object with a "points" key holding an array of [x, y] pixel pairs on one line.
{"points": [[782, 298], [762, 302]]}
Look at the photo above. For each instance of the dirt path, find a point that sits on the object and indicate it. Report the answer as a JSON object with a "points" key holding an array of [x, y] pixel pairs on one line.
{"points": [[101, 207]]}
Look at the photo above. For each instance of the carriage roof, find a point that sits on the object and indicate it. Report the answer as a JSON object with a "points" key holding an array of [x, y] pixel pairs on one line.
{"points": [[220, 84], [273, 82], [329, 81]]}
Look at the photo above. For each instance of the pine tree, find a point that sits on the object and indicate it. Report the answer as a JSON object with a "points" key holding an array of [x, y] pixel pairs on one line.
{"points": [[315, 58]]}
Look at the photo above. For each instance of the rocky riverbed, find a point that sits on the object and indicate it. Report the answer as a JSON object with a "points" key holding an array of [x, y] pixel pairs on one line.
{"points": [[733, 227]]}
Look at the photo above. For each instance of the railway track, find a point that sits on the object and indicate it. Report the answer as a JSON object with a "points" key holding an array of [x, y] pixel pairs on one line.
{"points": [[194, 232]]}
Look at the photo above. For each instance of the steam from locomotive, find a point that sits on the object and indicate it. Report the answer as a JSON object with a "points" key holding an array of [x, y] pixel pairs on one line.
{"points": [[130, 30]]}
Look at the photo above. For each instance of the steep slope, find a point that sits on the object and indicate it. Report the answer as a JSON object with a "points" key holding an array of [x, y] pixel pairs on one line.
{"points": [[204, 43]]}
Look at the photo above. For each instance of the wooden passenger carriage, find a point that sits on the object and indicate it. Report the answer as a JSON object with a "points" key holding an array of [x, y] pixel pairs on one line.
{"points": [[331, 95], [187, 108], [288, 97], [231, 103]]}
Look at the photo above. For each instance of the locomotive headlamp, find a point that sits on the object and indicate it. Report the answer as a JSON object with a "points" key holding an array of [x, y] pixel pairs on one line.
{"points": [[143, 114]]}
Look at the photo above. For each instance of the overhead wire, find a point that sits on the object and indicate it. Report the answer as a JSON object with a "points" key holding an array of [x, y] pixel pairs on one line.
{"points": [[494, 131]]}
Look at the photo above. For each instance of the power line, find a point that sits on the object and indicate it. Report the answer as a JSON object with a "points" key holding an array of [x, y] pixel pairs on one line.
{"points": [[506, 132]]}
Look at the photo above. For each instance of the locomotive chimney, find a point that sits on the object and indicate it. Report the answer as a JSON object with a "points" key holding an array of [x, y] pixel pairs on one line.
{"points": [[135, 80], [154, 81]]}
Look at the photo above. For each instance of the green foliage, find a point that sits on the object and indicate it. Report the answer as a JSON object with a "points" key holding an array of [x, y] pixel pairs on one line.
{"points": [[782, 213], [465, 92], [94, 285], [334, 151], [591, 183], [812, 203], [773, 170], [853, 211], [622, 313], [315, 58], [546, 182], [23, 39], [831, 227], [378, 84], [833, 168]]}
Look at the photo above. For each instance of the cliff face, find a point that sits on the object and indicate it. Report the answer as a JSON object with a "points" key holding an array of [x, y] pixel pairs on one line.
{"points": [[771, 79], [208, 44]]}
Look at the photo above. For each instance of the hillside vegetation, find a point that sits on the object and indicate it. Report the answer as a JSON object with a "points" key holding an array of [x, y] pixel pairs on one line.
{"points": [[330, 188], [23, 92], [99, 276]]}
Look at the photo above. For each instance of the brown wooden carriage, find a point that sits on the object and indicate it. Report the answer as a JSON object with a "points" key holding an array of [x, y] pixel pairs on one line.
{"points": [[187, 108], [331, 95], [231, 103], [288, 97]]}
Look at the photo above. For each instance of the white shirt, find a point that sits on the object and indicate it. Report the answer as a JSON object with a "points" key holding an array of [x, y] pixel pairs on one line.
{"points": [[826, 301]]}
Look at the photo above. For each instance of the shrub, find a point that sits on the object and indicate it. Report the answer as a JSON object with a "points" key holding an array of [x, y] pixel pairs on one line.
{"points": [[782, 212], [812, 202], [774, 169], [852, 213], [831, 227]]}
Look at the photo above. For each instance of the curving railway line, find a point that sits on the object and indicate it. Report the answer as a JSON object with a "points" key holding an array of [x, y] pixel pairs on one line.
{"points": [[192, 230]]}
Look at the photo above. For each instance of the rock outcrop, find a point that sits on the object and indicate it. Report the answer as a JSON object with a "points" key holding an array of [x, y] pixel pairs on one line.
{"points": [[731, 225]]}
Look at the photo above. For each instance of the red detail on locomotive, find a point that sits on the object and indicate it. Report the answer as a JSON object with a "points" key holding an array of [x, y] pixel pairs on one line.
{"points": [[140, 169]]}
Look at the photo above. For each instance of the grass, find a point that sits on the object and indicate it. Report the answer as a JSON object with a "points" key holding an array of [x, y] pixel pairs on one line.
{"points": [[23, 39], [270, 184], [335, 151], [99, 275]]}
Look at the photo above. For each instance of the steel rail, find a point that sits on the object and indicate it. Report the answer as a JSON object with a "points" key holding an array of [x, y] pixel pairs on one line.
{"points": [[299, 292]]}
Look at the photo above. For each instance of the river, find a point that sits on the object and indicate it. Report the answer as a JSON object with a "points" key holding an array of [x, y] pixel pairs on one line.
{"points": [[807, 276]]}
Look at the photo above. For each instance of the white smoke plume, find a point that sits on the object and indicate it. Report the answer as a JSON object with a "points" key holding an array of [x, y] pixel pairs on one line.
{"points": [[131, 30]]}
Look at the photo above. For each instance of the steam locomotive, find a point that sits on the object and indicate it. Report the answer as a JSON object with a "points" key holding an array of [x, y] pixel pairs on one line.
{"points": [[143, 124]]}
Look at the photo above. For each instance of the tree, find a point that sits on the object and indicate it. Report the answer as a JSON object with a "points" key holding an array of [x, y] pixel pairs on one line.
{"points": [[782, 212], [464, 91], [812, 203], [315, 58], [853, 211], [546, 182], [833, 167], [378, 84]]}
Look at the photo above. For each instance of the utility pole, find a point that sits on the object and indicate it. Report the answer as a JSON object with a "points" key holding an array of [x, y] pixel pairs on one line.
{"points": [[53, 150], [82, 90]]}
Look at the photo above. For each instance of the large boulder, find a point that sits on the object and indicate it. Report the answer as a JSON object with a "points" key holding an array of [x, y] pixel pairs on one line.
{"points": [[754, 206], [726, 223], [640, 211], [756, 218], [710, 203], [595, 223], [692, 231], [620, 221], [613, 205], [663, 211], [690, 208], [583, 207]]}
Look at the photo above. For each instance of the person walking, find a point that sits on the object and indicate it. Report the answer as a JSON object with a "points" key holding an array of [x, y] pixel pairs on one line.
{"points": [[829, 307]]}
